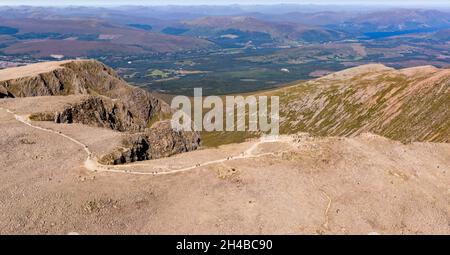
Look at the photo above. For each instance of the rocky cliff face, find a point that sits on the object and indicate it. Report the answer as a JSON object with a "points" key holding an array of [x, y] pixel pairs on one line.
{"points": [[96, 111], [100, 112], [111, 103], [157, 142]]}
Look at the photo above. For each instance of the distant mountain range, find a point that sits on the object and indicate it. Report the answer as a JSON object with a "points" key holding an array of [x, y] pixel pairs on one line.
{"points": [[98, 31], [277, 30], [81, 37]]}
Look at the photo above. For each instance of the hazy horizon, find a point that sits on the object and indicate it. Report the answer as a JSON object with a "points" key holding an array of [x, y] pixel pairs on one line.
{"points": [[399, 3]]}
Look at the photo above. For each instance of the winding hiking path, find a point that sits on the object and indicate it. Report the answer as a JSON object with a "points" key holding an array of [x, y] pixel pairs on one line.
{"points": [[93, 165]]}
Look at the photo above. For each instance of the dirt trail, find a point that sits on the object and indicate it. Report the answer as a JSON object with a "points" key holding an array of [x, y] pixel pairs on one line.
{"points": [[92, 164], [332, 185]]}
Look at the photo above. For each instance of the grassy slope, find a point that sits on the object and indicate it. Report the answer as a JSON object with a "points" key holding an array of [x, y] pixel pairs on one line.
{"points": [[406, 105]]}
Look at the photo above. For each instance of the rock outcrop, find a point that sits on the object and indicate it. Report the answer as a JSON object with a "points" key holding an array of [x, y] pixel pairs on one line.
{"points": [[157, 142], [111, 103]]}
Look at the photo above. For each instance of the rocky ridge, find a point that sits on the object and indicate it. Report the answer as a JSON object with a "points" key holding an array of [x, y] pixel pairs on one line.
{"points": [[111, 103], [408, 105]]}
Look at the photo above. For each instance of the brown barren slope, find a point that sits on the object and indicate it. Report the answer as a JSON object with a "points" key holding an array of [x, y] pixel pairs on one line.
{"points": [[292, 184], [308, 185]]}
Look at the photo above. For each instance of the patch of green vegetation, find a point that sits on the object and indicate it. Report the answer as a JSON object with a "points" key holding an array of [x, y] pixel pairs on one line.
{"points": [[216, 139], [158, 74], [29, 36], [225, 71]]}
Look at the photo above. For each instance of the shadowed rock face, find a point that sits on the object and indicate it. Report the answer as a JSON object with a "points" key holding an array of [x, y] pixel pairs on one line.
{"points": [[101, 112], [157, 142], [111, 103], [4, 92]]}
